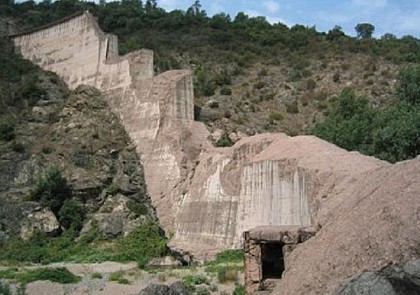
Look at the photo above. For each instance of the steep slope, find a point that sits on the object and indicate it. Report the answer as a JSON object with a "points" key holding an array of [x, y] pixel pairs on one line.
{"points": [[44, 128], [377, 224]]}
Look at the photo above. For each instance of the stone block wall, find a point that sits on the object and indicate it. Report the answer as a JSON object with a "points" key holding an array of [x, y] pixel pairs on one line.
{"points": [[287, 237]]}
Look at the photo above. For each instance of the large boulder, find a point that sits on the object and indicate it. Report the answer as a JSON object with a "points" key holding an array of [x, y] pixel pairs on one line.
{"points": [[391, 280], [376, 224], [177, 288], [38, 219]]}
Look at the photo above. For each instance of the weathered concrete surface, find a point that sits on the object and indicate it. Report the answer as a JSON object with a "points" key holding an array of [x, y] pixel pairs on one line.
{"points": [[205, 197], [287, 237], [81, 53]]}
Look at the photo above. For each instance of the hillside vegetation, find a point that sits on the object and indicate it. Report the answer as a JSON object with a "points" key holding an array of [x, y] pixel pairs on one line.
{"points": [[251, 76], [71, 185]]}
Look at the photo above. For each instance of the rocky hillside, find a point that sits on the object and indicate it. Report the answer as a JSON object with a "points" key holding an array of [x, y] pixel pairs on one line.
{"points": [[66, 163]]}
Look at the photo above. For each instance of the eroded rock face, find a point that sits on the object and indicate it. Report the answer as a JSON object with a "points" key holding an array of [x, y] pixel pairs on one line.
{"points": [[38, 219], [391, 280]]}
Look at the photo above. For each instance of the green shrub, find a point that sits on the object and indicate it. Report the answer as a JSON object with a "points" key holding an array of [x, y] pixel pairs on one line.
{"points": [[112, 189], [310, 84], [96, 275], [118, 277], [5, 289], [227, 274], [276, 116], [292, 107], [239, 289], [7, 131], [202, 291], [52, 189], [143, 243], [224, 140], [195, 280], [408, 86], [226, 91], [137, 208], [260, 85], [231, 255], [58, 275], [71, 214], [336, 77]]}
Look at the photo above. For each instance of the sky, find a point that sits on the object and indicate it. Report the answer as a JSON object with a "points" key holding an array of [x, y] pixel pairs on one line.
{"points": [[399, 17]]}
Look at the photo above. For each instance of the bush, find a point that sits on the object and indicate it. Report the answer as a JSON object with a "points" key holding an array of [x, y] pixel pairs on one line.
{"points": [[118, 277], [275, 116], [143, 243], [231, 255], [58, 275], [227, 274], [7, 131], [52, 189], [224, 140], [292, 107], [408, 86], [239, 289], [195, 280], [260, 85], [310, 84], [137, 208], [71, 214], [96, 275], [226, 91]]}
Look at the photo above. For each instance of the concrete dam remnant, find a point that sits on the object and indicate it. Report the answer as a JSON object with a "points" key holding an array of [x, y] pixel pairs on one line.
{"points": [[205, 196]]}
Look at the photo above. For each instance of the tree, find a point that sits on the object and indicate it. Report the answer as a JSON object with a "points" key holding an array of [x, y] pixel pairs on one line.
{"points": [[335, 33], [408, 87], [364, 30], [52, 189]]}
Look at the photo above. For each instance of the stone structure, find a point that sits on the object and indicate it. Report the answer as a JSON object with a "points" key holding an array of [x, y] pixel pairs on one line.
{"points": [[206, 197], [266, 251]]}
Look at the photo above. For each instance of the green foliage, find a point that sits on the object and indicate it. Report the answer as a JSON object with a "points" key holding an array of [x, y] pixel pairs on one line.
{"points": [[276, 116], [350, 123], [137, 208], [392, 134], [5, 289], [196, 280], [96, 275], [239, 289], [226, 91], [71, 214], [335, 34], [292, 107], [52, 189], [202, 290], [142, 243], [58, 275], [230, 255], [118, 277], [364, 30], [408, 87], [227, 273], [7, 130], [224, 140]]}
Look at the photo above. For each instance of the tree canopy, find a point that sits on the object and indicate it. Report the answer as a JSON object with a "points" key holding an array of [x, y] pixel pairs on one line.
{"points": [[364, 30]]}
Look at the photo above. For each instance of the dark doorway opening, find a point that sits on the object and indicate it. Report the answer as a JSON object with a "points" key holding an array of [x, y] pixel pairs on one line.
{"points": [[272, 260]]}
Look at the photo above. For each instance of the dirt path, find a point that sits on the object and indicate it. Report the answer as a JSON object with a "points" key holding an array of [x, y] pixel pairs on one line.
{"points": [[96, 279]]}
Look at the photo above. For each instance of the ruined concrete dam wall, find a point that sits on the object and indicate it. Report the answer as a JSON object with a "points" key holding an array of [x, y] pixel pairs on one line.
{"points": [[78, 51], [205, 197]]}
